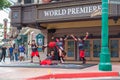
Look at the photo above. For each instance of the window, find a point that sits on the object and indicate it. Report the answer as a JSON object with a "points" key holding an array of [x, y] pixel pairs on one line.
{"points": [[28, 1], [114, 48], [96, 48], [19, 1], [71, 49], [87, 48]]}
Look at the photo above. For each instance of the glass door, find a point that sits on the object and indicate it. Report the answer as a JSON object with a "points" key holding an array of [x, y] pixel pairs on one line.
{"points": [[70, 49], [96, 49], [114, 48], [87, 49]]}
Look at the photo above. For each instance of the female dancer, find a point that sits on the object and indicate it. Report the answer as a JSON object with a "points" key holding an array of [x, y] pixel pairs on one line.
{"points": [[81, 46]]}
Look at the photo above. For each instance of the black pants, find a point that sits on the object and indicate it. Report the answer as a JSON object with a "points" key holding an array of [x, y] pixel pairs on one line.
{"points": [[83, 59], [3, 55]]}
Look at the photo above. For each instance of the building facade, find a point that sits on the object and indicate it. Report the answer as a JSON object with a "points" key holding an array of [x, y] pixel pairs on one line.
{"points": [[72, 17]]}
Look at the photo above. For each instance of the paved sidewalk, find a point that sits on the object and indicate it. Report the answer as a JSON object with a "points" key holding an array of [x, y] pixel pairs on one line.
{"points": [[25, 73]]}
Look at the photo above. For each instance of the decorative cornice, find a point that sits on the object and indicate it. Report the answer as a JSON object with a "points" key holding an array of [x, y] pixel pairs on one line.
{"points": [[59, 4]]}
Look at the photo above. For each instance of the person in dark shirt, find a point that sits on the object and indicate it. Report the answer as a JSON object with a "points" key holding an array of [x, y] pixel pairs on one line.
{"points": [[81, 46], [22, 52], [60, 47], [3, 55], [35, 52], [11, 53]]}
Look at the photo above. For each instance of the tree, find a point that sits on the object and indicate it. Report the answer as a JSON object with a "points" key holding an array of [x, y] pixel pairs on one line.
{"points": [[4, 4]]}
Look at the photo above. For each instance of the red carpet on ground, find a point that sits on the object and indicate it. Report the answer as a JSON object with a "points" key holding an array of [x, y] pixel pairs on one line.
{"points": [[77, 75]]}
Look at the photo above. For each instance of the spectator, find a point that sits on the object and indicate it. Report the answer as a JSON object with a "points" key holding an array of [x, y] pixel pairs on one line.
{"points": [[11, 53], [16, 54], [3, 55], [22, 52]]}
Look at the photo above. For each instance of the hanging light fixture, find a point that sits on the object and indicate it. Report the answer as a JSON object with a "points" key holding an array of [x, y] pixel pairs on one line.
{"points": [[115, 18]]}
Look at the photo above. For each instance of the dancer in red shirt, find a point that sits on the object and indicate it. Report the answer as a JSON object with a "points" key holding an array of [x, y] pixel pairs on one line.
{"points": [[57, 43]]}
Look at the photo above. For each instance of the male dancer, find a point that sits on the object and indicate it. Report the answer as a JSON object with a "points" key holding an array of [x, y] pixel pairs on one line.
{"points": [[81, 46], [60, 47], [57, 45], [35, 52]]}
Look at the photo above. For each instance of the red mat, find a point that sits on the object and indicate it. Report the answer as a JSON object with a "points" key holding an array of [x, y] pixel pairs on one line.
{"points": [[77, 75]]}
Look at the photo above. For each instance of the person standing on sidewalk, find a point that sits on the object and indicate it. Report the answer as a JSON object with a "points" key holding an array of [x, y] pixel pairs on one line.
{"points": [[3, 55], [22, 52], [35, 52], [11, 53], [81, 45], [0, 52], [16, 53]]}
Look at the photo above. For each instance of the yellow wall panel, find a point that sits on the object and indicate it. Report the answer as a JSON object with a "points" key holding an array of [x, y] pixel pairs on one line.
{"points": [[78, 24]]}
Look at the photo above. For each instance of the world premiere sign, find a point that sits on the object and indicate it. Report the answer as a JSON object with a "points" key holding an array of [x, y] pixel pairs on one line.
{"points": [[67, 13], [71, 11]]}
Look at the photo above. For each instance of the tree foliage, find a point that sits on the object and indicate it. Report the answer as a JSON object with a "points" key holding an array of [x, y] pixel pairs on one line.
{"points": [[4, 4]]}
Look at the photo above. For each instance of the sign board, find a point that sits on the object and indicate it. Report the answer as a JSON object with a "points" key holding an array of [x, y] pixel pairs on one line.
{"points": [[114, 1], [40, 41], [67, 13]]}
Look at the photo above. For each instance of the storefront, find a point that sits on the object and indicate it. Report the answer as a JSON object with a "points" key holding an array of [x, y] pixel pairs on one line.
{"points": [[73, 17]]}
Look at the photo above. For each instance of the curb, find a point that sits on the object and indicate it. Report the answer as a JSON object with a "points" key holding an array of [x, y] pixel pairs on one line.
{"points": [[77, 75]]}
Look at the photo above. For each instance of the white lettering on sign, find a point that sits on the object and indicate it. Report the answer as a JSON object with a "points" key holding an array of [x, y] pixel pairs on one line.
{"points": [[71, 11]]}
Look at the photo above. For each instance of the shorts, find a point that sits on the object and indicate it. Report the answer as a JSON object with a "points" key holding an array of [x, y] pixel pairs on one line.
{"points": [[36, 53], [82, 53], [22, 54]]}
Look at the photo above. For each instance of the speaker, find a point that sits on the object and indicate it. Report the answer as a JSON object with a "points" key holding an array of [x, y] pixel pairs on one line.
{"points": [[51, 30]]}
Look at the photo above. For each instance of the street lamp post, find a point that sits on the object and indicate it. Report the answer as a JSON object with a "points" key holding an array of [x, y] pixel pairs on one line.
{"points": [[105, 64]]}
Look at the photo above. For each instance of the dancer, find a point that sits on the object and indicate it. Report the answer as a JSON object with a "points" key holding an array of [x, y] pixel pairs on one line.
{"points": [[81, 46], [52, 47], [60, 47], [48, 60], [51, 44], [57, 45], [34, 48]]}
